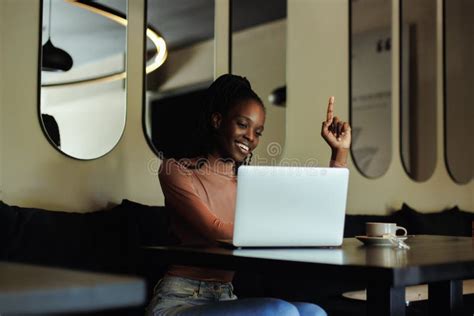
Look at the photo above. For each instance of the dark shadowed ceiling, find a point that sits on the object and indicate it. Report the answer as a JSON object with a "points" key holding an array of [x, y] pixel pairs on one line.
{"points": [[181, 23], [184, 22]]}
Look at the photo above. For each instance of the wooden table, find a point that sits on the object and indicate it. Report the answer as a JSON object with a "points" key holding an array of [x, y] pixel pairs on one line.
{"points": [[440, 261], [413, 293], [26, 289]]}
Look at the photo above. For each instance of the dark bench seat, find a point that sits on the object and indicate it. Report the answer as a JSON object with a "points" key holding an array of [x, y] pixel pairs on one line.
{"points": [[111, 240]]}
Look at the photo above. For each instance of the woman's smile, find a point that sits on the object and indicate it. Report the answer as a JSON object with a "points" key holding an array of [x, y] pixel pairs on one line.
{"points": [[243, 148]]}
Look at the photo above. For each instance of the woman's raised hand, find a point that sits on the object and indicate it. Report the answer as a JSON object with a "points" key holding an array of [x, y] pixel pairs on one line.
{"points": [[335, 132]]}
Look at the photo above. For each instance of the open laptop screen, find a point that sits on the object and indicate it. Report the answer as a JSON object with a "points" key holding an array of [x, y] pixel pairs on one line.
{"points": [[290, 206]]}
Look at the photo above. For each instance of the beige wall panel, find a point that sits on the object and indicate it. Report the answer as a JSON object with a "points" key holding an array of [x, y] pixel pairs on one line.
{"points": [[317, 67], [221, 35], [138, 162], [317, 61], [34, 173]]}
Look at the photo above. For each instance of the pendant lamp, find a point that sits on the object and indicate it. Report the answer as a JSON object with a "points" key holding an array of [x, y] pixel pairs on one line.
{"points": [[54, 58]]}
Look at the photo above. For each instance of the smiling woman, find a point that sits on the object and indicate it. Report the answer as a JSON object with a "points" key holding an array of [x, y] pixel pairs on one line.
{"points": [[90, 119], [201, 193]]}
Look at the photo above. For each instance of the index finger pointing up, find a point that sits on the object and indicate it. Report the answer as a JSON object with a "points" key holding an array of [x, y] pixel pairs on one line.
{"points": [[330, 113]]}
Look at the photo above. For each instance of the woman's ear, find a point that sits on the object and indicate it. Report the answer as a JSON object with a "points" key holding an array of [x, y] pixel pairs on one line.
{"points": [[216, 120]]}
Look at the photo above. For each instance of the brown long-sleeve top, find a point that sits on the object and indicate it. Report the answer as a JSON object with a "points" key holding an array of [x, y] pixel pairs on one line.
{"points": [[202, 200]]}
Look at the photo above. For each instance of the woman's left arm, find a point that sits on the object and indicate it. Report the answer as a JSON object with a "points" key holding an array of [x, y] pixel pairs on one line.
{"points": [[337, 134]]}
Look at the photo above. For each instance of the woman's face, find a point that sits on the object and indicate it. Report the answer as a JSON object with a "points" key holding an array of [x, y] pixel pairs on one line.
{"points": [[239, 131]]}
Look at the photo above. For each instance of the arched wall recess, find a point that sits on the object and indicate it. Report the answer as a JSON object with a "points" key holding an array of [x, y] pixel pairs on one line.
{"points": [[371, 85], [172, 93], [459, 78], [83, 121], [418, 86], [177, 87]]}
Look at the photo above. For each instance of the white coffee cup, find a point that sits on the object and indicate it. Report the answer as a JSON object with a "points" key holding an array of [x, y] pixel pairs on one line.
{"points": [[383, 229]]}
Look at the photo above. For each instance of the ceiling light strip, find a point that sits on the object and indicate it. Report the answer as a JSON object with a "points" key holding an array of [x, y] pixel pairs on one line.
{"points": [[153, 35]]}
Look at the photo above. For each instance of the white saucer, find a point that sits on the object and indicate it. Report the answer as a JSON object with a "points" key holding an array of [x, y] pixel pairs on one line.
{"points": [[378, 241]]}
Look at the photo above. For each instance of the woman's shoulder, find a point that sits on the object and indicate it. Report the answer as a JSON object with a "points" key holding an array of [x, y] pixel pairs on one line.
{"points": [[184, 166]]}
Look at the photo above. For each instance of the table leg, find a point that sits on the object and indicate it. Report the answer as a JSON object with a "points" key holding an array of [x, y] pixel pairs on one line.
{"points": [[445, 298], [385, 300]]}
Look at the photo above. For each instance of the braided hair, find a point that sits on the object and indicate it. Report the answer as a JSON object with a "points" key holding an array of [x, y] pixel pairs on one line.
{"points": [[223, 94]]}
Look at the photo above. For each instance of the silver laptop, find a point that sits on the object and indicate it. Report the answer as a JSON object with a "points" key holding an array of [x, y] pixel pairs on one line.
{"points": [[290, 206]]}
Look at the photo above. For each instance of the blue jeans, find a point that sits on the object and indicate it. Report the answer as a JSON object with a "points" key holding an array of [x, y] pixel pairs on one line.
{"points": [[176, 296]]}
